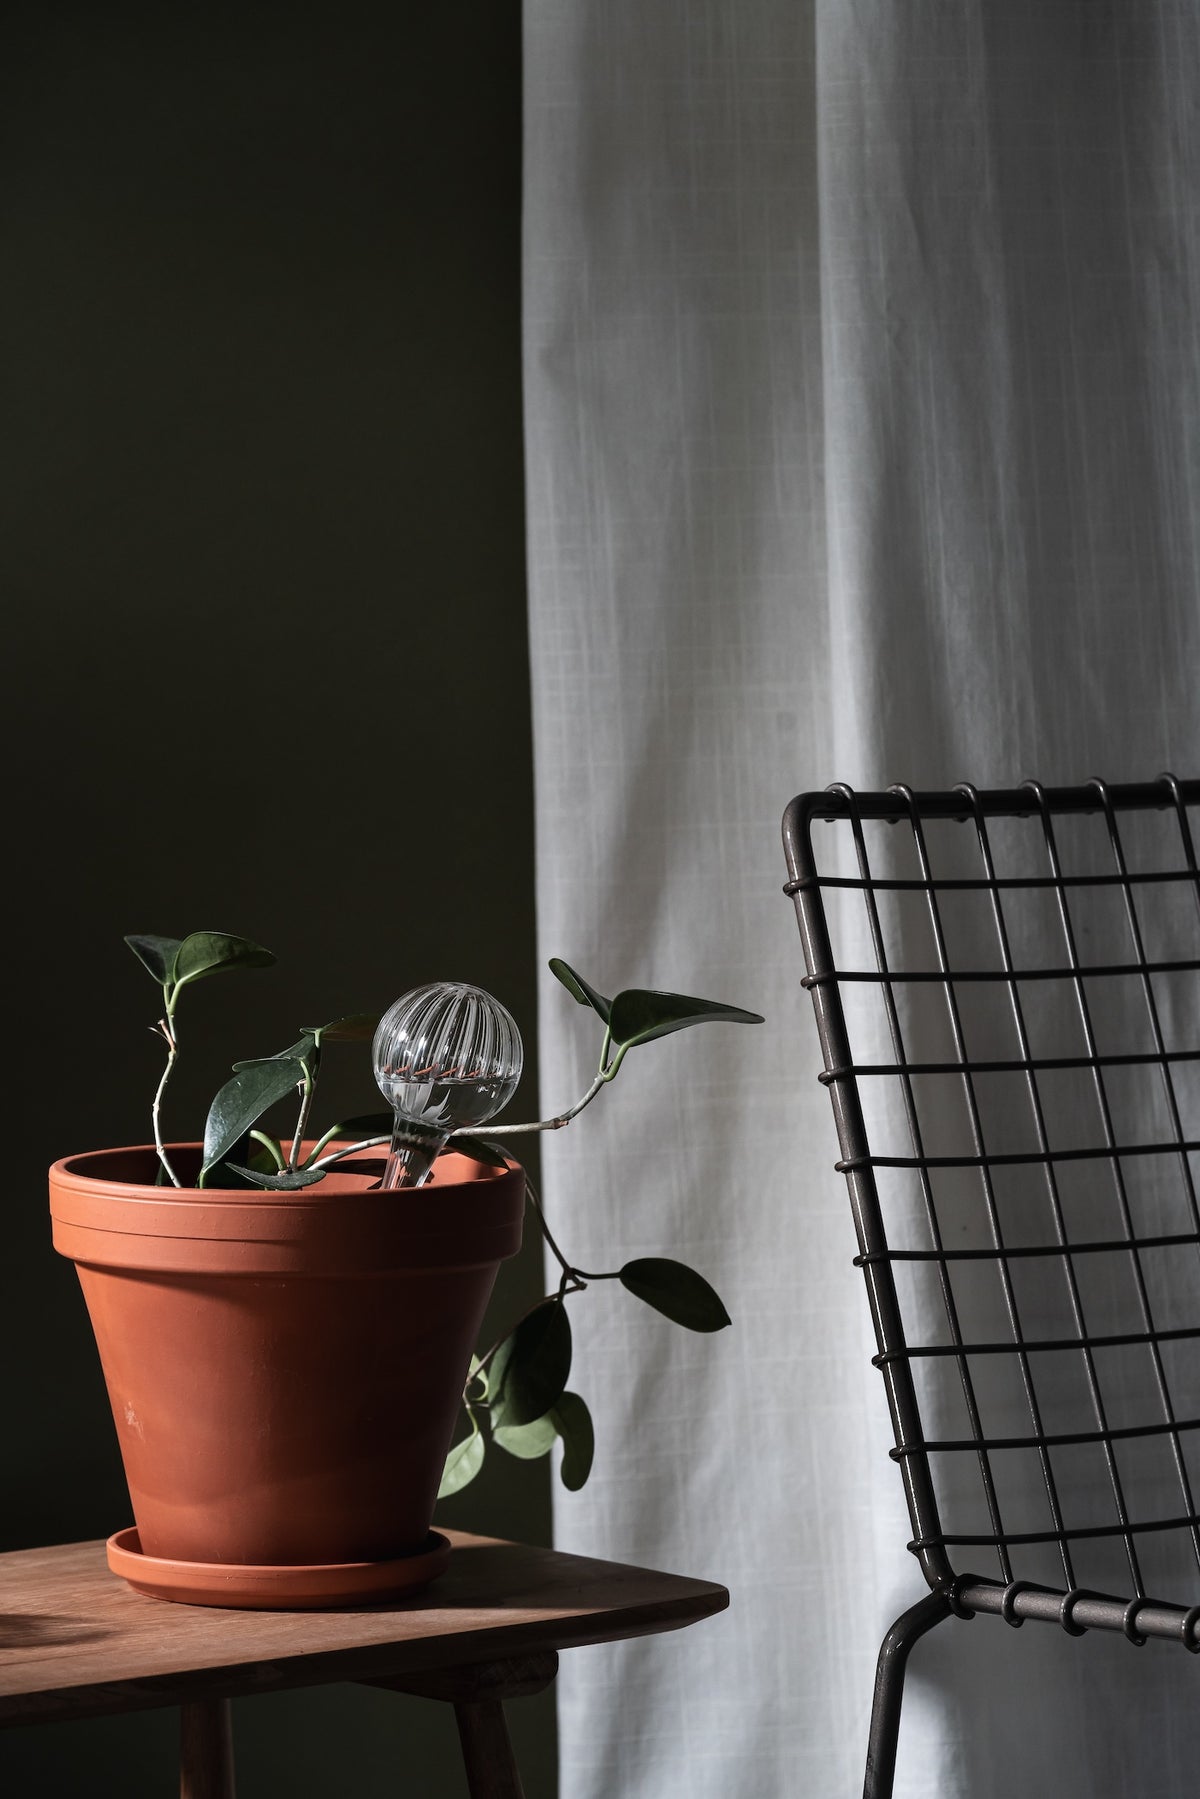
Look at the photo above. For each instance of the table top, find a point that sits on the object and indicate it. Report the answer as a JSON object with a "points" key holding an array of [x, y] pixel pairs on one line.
{"points": [[77, 1642]]}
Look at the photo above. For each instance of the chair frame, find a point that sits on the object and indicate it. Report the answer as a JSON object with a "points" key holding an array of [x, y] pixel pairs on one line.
{"points": [[952, 1591]]}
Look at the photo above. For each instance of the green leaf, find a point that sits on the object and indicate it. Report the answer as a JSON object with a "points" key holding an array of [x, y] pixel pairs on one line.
{"points": [[478, 1150], [285, 1181], [579, 989], [676, 1291], [463, 1462], [639, 1015], [570, 1420], [300, 1051], [242, 1102], [156, 953], [478, 1378], [228, 1172], [267, 1156], [573, 1422], [527, 1441], [367, 1124], [212, 952], [530, 1368], [356, 1027]]}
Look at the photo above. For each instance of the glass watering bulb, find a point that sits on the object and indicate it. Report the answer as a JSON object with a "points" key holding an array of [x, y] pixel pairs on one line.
{"points": [[447, 1056]]}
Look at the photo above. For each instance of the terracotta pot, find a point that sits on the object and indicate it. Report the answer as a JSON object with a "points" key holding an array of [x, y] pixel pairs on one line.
{"points": [[284, 1369]]}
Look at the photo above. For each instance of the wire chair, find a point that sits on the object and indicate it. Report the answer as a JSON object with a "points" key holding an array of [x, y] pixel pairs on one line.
{"points": [[1011, 1036]]}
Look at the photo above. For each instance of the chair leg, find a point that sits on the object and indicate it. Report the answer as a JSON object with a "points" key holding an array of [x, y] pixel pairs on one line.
{"points": [[205, 1750], [889, 1690]]}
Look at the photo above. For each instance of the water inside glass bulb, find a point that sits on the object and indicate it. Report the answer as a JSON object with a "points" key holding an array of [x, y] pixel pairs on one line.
{"points": [[447, 1056]]}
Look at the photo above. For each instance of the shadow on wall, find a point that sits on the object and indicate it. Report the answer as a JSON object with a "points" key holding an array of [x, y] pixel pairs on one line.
{"points": [[263, 516]]}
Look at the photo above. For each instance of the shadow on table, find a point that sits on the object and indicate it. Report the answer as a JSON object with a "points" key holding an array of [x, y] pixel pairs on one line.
{"points": [[28, 1630], [487, 1575]]}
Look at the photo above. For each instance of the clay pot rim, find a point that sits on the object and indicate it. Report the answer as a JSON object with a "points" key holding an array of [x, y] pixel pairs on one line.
{"points": [[340, 1226], [83, 1172]]}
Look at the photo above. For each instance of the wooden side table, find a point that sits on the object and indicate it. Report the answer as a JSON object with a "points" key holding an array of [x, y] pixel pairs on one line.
{"points": [[75, 1642]]}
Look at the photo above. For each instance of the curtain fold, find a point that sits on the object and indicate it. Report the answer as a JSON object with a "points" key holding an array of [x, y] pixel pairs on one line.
{"points": [[862, 394]]}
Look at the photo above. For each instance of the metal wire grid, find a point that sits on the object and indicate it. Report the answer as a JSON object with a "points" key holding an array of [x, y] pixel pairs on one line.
{"points": [[1041, 1168]]}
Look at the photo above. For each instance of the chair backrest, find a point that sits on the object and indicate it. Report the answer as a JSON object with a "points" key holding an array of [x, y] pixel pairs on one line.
{"points": [[1007, 992]]}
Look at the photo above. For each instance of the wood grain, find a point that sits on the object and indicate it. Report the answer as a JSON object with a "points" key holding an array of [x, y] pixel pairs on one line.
{"points": [[77, 1642]]}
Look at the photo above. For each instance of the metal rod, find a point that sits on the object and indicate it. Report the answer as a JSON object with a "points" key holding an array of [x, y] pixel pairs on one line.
{"points": [[889, 1690]]}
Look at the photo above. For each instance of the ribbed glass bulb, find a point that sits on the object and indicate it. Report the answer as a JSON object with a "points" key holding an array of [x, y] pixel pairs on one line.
{"points": [[447, 1056]]}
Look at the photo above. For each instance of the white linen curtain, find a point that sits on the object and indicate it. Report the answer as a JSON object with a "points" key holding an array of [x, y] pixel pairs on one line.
{"points": [[862, 404]]}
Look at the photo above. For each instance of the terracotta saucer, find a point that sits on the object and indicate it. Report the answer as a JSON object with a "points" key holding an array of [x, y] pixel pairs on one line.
{"points": [[265, 1588]]}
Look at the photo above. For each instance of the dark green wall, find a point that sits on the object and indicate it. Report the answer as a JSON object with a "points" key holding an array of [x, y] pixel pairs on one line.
{"points": [[261, 516]]}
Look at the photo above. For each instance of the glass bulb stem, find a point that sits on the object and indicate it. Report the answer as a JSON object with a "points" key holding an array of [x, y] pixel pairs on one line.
{"points": [[411, 1156]]}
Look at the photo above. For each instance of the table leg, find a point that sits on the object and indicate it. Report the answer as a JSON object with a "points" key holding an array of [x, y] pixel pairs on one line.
{"points": [[477, 1693], [487, 1752], [206, 1750]]}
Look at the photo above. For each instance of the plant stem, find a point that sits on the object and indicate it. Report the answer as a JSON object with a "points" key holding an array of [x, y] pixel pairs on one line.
{"points": [[319, 1145], [607, 1072], [572, 1279], [544, 1124], [350, 1150], [166, 1027], [307, 1091], [270, 1144], [555, 1251]]}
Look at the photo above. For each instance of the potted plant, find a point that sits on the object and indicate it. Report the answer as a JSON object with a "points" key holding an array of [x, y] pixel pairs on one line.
{"points": [[287, 1323]]}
